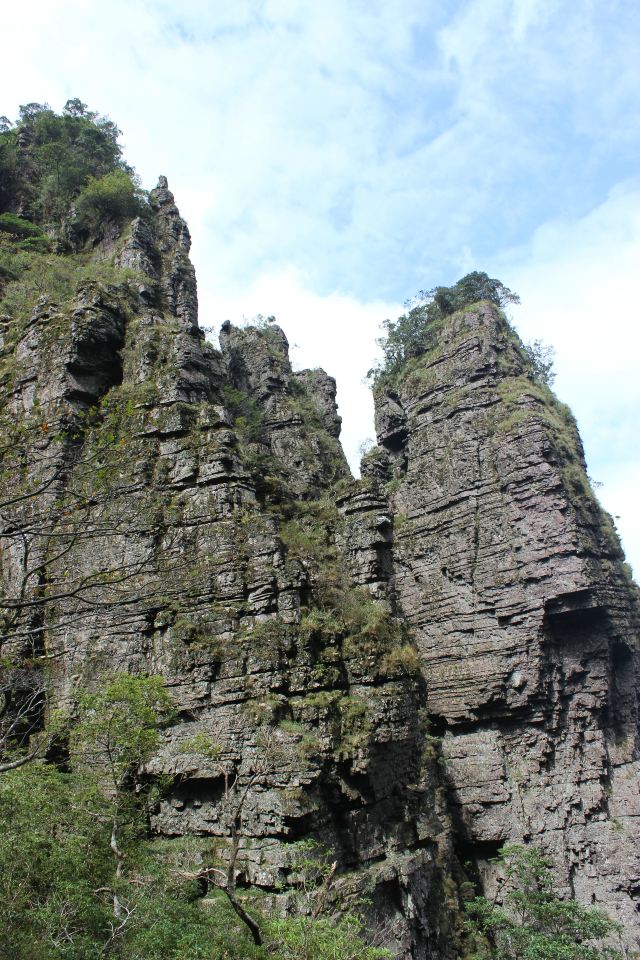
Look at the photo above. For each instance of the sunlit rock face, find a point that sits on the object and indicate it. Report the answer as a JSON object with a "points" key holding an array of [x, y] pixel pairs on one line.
{"points": [[513, 581], [412, 668]]}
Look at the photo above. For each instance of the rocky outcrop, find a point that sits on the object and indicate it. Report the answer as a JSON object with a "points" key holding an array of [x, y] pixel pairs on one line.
{"points": [[525, 617], [283, 421], [412, 668], [194, 533]]}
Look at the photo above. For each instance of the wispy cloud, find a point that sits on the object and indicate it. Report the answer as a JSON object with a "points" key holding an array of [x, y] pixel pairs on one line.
{"points": [[365, 143]]}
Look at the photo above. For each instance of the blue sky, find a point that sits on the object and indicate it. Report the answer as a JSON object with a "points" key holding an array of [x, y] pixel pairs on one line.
{"points": [[334, 158]]}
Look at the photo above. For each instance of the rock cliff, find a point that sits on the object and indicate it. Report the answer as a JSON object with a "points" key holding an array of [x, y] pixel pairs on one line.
{"points": [[182, 521], [412, 668], [525, 617]]}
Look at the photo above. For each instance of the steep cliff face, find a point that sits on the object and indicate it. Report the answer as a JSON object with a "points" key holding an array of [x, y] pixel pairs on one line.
{"points": [[524, 615], [412, 668], [180, 519]]}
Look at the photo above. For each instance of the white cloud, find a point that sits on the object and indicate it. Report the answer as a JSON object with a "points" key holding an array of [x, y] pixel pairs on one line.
{"points": [[578, 284], [364, 142]]}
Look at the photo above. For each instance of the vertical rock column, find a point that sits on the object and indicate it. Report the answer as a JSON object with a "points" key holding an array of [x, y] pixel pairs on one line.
{"points": [[526, 618]]}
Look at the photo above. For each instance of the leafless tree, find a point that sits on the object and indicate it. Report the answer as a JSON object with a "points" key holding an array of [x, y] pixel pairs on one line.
{"points": [[237, 788]]}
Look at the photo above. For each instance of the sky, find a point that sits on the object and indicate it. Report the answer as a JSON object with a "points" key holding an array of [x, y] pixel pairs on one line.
{"points": [[334, 158]]}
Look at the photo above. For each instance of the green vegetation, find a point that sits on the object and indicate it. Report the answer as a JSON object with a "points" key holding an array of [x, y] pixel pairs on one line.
{"points": [[299, 938], [26, 235], [402, 659], [57, 883], [115, 196], [30, 275], [80, 878], [355, 726], [534, 923], [62, 180], [49, 160], [54, 852], [522, 398], [248, 419], [540, 355], [117, 728], [314, 930], [414, 333]]}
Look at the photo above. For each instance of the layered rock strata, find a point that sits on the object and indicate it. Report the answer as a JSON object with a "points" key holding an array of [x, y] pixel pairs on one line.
{"points": [[180, 517], [525, 616], [412, 669]]}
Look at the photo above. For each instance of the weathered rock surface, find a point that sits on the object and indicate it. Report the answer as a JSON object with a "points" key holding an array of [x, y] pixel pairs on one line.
{"points": [[525, 618], [196, 535], [189, 511]]}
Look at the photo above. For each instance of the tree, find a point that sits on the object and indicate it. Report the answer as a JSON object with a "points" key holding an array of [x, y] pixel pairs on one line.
{"points": [[470, 289], [76, 108], [22, 698], [322, 924], [412, 333], [54, 857], [47, 159], [60, 897], [534, 922], [115, 196], [541, 357], [115, 731], [237, 787], [319, 925]]}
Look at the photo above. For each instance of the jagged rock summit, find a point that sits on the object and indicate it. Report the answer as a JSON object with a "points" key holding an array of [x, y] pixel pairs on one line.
{"points": [[415, 667]]}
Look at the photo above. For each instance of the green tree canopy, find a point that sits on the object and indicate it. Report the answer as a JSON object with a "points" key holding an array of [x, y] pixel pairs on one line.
{"points": [[63, 896], [412, 333], [54, 855], [47, 159], [534, 922], [118, 726]]}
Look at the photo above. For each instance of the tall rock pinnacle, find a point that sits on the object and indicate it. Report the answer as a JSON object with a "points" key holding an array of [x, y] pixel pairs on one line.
{"points": [[411, 669], [525, 617]]}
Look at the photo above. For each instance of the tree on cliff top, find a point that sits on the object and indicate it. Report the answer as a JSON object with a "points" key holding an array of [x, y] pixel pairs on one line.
{"points": [[47, 160], [411, 334]]}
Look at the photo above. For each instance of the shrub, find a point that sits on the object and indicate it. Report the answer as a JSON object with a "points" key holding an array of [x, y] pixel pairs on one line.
{"points": [[10, 223], [299, 938], [47, 159], [116, 196], [54, 854], [25, 235], [534, 923], [541, 355], [401, 660]]}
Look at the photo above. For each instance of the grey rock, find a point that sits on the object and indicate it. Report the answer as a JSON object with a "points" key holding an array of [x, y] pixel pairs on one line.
{"points": [[511, 577], [416, 667], [211, 551]]}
